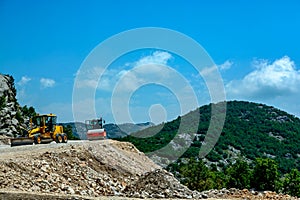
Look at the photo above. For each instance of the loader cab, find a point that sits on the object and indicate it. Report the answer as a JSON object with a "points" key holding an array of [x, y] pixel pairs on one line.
{"points": [[50, 122], [47, 121], [36, 121], [94, 124]]}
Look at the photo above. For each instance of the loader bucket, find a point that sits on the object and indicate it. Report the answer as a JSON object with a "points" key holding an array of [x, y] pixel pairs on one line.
{"points": [[21, 141]]}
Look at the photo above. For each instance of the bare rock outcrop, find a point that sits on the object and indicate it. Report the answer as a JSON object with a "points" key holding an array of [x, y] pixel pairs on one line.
{"points": [[9, 108]]}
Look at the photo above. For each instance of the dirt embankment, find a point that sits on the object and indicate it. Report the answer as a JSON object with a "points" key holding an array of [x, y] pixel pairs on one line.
{"points": [[95, 170], [86, 170]]}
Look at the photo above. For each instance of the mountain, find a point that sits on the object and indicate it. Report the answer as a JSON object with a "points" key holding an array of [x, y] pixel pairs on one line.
{"points": [[78, 129], [130, 128], [251, 131], [112, 130]]}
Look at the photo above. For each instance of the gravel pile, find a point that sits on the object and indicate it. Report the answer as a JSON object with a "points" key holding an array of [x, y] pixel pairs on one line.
{"points": [[93, 169], [233, 193], [159, 184], [96, 169], [71, 171]]}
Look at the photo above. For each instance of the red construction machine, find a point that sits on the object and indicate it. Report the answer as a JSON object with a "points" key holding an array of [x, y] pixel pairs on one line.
{"points": [[95, 129]]}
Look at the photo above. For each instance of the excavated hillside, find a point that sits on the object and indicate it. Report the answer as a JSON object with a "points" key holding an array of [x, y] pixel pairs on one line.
{"points": [[86, 169], [104, 169]]}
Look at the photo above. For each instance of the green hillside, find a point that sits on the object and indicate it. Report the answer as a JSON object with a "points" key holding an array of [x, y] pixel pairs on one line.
{"points": [[251, 131]]}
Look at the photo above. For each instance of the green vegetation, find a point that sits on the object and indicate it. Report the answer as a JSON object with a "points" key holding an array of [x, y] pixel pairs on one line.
{"points": [[69, 131], [149, 144], [19, 117], [25, 112], [291, 183], [2, 102], [266, 137], [263, 175], [13, 88], [28, 112], [239, 175], [196, 175], [255, 130]]}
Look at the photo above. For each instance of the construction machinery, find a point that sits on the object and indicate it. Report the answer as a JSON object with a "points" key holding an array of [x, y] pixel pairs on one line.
{"points": [[43, 129], [95, 129]]}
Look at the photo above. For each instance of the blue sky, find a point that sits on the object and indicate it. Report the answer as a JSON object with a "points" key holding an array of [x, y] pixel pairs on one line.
{"points": [[255, 45]]}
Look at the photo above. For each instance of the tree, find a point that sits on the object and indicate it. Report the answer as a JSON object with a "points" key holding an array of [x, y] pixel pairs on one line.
{"points": [[2, 102], [196, 175], [239, 175], [219, 179], [291, 183], [28, 112], [68, 130], [265, 174]]}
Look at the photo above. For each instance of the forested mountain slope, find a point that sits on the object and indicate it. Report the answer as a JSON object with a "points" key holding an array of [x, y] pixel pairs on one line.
{"points": [[251, 131]]}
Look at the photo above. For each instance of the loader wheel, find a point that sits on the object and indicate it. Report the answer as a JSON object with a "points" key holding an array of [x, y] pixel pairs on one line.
{"points": [[64, 138], [59, 138], [37, 139]]}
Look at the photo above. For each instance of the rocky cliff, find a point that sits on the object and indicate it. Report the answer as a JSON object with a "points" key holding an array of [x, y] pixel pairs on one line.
{"points": [[10, 114]]}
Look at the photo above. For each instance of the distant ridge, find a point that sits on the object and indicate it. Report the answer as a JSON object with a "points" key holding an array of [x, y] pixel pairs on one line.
{"points": [[112, 130]]}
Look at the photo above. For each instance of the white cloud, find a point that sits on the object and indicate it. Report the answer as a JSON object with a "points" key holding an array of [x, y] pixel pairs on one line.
{"points": [[158, 57], [154, 60], [110, 77], [24, 80], [208, 71], [47, 83], [151, 69], [105, 79], [21, 86], [268, 80], [88, 77], [226, 65]]}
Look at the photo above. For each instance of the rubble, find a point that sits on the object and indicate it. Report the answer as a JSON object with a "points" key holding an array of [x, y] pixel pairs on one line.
{"points": [[93, 170], [159, 184], [234, 193]]}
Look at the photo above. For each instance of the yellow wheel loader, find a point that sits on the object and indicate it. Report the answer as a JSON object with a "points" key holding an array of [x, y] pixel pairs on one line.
{"points": [[43, 129]]}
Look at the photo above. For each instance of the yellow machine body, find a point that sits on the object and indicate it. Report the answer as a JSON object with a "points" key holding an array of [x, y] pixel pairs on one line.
{"points": [[43, 129]]}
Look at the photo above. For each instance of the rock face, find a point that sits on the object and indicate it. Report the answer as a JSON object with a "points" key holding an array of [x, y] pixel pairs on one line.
{"points": [[9, 107]]}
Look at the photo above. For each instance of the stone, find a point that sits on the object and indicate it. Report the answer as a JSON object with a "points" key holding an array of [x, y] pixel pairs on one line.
{"points": [[14, 121], [70, 190]]}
